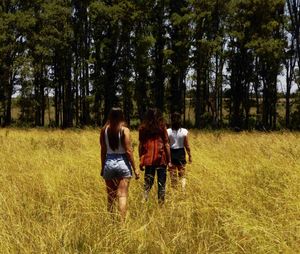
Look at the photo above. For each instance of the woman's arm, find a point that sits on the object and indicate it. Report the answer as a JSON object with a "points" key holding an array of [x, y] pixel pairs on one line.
{"points": [[103, 150], [141, 140], [167, 146], [187, 148], [129, 152], [140, 149]]}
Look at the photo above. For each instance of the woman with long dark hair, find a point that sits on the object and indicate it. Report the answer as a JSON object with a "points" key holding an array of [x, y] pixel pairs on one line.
{"points": [[154, 151], [179, 143], [117, 160]]}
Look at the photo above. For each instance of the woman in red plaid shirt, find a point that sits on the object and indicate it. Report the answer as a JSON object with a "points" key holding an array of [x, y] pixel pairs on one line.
{"points": [[154, 152]]}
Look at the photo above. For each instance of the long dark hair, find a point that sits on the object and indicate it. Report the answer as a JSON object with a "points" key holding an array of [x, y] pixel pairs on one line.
{"points": [[153, 123], [176, 121], [114, 123]]}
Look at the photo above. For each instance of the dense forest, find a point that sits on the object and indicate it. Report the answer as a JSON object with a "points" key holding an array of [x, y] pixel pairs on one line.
{"points": [[221, 63]]}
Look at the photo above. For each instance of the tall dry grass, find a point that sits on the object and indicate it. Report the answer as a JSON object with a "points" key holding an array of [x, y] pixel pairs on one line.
{"points": [[242, 196]]}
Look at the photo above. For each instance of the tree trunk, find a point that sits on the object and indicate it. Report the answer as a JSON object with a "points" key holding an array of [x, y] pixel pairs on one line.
{"points": [[158, 88], [8, 109], [56, 104], [110, 98], [68, 94], [287, 100]]}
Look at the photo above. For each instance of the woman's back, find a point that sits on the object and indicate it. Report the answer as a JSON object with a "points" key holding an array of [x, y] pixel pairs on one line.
{"points": [[120, 149], [177, 137], [116, 160], [153, 139]]}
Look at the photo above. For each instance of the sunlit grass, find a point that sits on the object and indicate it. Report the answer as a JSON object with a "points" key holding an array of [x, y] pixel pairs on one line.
{"points": [[242, 196]]}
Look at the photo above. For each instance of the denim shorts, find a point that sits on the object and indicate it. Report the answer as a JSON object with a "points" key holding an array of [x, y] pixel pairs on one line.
{"points": [[116, 166]]}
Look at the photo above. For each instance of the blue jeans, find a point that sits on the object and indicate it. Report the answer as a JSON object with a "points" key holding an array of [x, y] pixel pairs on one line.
{"points": [[161, 180]]}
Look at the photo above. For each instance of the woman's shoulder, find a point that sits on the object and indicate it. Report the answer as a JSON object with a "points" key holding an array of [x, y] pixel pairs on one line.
{"points": [[142, 129], [125, 129], [184, 131], [142, 126], [103, 128]]}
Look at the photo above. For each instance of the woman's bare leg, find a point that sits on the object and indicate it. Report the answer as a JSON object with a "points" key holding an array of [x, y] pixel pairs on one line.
{"points": [[181, 174], [111, 189], [173, 176], [122, 197]]}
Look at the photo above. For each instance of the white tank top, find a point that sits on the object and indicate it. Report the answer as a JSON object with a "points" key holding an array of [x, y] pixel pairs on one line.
{"points": [[176, 137], [119, 150]]}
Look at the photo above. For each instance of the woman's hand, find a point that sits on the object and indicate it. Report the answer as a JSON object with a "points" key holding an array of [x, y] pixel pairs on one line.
{"points": [[170, 165], [141, 168], [137, 174]]}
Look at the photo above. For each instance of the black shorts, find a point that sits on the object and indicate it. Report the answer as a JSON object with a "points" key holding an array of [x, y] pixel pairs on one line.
{"points": [[178, 157]]}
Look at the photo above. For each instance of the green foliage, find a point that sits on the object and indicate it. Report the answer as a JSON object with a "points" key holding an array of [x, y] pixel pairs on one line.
{"points": [[136, 53]]}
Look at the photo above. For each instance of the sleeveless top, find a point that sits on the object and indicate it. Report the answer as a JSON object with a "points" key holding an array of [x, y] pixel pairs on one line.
{"points": [[176, 137], [119, 150]]}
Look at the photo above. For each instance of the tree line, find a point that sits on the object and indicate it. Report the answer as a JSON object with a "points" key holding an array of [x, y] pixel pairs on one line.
{"points": [[70, 61]]}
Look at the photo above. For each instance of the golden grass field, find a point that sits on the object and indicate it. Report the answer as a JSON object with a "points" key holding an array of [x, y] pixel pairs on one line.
{"points": [[242, 196]]}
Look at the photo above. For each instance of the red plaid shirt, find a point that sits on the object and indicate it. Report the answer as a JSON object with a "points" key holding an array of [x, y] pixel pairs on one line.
{"points": [[153, 148]]}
